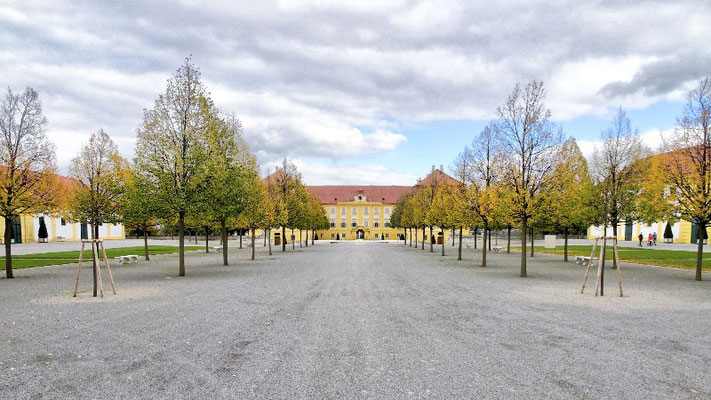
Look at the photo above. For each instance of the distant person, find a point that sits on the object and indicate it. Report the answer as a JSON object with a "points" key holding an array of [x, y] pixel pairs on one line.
{"points": [[650, 238], [640, 237], [654, 238]]}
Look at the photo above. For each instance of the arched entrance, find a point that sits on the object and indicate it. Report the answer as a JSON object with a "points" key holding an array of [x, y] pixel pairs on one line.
{"points": [[360, 234]]}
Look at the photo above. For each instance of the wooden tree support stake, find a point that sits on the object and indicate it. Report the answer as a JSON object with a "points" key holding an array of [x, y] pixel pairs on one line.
{"points": [[601, 265], [96, 246]]}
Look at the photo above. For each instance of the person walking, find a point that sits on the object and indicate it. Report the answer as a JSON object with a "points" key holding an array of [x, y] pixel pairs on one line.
{"points": [[649, 240], [640, 237], [654, 238]]}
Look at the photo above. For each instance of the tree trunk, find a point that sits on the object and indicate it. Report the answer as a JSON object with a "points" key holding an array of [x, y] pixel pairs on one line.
{"points": [[459, 256], [565, 245], [508, 243], [614, 233], [145, 243], [223, 230], [443, 241], [313, 237], [531, 242], [293, 244], [431, 241], [253, 239], [307, 238], [265, 238], [454, 235], [181, 243], [241, 233], [207, 239], [483, 248], [300, 239], [8, 248], [283, 238], [415, 237], [700, 251], [476, 233], [524, 230], [269, 234], [94, 265], [424, 234]]}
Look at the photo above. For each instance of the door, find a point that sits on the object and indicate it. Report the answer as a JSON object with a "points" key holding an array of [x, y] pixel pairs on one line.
{"points": [[694, 233], [84, 232], [16, 231], [628, 231]]}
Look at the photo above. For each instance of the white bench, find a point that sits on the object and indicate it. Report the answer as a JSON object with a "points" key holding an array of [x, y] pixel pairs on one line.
{"points": [[60, 238], [217, 248], [127, 258], [582, 260], [497, 249]]}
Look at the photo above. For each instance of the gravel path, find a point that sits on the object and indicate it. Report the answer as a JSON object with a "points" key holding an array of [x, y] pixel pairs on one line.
{"points": [[355, 320]]}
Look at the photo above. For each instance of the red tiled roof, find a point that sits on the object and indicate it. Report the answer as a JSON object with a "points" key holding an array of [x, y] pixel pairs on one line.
{"points": [[332, 194]]}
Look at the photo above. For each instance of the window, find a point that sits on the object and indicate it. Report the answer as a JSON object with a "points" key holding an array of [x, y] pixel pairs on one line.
{"points": [[387, 224], [332, 236], [365, 223], [354, 224], [387, 236], [343, 211], [376, 224], [333, 224], [376, 210], [354, 211], [365, 210], [333, 210], [387, 210], [343, 224], [62, 222], [377, 236]]}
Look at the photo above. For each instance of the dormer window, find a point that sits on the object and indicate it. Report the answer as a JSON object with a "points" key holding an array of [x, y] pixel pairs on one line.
{"points": [[360, 198]]}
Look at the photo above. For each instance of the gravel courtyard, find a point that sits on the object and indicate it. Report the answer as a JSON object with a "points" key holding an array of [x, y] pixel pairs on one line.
{"points": [[355, 320]]}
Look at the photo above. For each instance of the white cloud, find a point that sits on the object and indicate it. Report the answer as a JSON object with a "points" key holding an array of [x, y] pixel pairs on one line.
{"points": [[651, 138], [317, 173], [331, 79]]}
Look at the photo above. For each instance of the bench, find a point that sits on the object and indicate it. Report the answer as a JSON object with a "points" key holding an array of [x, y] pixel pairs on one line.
{"points": [[217, 248], [497, 249], [127, 258], [582, 260], [60, 238]]}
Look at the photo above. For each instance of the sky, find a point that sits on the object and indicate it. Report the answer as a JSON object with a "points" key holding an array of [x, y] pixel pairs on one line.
{"points": [[357, 92]]}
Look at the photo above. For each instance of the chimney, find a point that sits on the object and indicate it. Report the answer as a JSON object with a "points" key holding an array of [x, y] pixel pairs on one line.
{"points": [[433, 167], [441, 168]]}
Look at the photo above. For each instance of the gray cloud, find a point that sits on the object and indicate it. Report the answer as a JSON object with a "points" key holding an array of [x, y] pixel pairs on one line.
{"points": [[317, 80]]}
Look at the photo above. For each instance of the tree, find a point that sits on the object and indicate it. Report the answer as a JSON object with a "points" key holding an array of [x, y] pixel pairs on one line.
{"points": [[618, 172], [139, 209], [686, 164], [668, 234], [171, 149], [568, 203], [531, 146], [284, 186], [255, 208], [101, 173], [484, 157], [28, 183], [230, 165]]}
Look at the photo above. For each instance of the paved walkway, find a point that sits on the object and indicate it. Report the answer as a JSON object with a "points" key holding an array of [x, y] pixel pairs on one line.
{"points": [[355, 320]]}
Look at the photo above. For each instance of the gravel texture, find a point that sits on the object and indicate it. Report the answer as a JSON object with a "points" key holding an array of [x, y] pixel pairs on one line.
{"points": [[355, 320]]}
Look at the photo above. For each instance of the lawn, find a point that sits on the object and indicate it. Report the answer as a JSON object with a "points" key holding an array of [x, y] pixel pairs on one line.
{"points": [[69, 257], [649, 256]]}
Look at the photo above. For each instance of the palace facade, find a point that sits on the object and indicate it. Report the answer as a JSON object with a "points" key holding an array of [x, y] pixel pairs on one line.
{"points": [[363, 212]]}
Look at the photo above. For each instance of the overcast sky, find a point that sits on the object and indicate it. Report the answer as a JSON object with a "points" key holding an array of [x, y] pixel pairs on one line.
{"points": [[369, 92]]}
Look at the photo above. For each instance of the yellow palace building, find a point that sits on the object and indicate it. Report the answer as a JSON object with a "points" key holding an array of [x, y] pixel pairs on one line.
{"points": [[682, 231], [362, 212]]}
